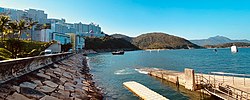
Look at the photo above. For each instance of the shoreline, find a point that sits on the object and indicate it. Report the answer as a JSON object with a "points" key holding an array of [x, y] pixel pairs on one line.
{"points": [[69, 79]]}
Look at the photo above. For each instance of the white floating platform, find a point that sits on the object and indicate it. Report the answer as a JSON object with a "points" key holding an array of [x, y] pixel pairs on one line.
{"points": [[143, 92]]}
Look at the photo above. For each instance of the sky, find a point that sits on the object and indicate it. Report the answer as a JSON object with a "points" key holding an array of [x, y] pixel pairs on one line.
{"points": [[190, 19]]}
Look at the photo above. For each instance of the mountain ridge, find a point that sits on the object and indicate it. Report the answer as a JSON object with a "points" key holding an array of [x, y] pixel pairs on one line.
{"points": [[216, 40]]}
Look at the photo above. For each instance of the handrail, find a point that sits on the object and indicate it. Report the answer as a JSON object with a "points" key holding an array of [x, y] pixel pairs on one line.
{"points": [[13, 68], [227, 88]]}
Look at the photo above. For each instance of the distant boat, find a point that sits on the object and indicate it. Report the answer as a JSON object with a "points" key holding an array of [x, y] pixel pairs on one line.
{"points": [[118, 52], [234, 49], [215, 50]]}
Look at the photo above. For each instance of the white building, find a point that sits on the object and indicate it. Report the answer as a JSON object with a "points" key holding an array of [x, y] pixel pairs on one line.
{"points": [[42, 35], [13, 13], [90, 30], [36, 15]]}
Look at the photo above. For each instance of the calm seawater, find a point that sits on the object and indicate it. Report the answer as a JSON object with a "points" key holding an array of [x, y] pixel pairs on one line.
{"points": [[110, 71]]}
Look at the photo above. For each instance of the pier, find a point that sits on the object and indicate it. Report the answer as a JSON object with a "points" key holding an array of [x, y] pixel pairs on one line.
{"points": [[224, 87], [142, 91]]}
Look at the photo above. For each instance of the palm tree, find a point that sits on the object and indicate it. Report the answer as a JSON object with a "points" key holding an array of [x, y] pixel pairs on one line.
{"points": [[13, 27], [22, 26], [3, 24], [31, 23]]}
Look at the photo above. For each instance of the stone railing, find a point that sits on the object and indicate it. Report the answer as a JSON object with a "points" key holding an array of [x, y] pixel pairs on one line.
{"points": [[13, 68]]}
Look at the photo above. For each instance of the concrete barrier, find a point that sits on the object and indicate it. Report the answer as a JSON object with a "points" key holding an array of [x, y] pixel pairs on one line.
{"points": [[13, 68], [190, 79]]}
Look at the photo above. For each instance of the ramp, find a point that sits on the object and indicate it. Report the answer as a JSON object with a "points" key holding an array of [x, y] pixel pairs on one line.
{"points": [[142, 91]]}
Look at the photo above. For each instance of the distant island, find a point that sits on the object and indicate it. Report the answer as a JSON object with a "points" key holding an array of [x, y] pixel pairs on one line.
{"points": [[217, 40], [158, 40], [227, 45]]}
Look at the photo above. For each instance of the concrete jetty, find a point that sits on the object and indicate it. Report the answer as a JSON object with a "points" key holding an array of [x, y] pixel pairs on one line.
{"points": [[224, 87], [142, 91]]}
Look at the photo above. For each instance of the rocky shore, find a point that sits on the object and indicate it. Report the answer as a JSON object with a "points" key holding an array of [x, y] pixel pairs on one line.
{"points": [[66, 80]]}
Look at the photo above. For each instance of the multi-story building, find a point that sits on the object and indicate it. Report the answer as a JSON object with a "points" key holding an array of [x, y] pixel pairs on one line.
{"points": [[77, 41], [37, 15], [90, 30], [61, 38], [13, 13], [60, 31]]}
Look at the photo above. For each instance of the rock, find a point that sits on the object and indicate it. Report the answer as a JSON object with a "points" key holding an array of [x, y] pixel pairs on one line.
{"points": [[5, 90], [46, 89], [79, 86], [85, 88], [50, 74], [31, 93], [51, 84], [67, 93], [61, 87], [71, 71], [77, 99], [43, 75], [63, 80], [49, 98], [28, 84], [69, 88], [67, 74], [3, 95], [69, 84], [41, 71], [55, 65], [17, 96], [38, 82], [79, 95], [17, 88], [61, 96], [58, 73]]}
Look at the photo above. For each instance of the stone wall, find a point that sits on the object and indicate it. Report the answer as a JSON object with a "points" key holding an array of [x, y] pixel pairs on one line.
{"points": [[67, 79], [13, 68]]}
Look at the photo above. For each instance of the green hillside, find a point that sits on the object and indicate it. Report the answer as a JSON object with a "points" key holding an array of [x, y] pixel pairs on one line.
{"points": [[108, 43], [162, 41]]}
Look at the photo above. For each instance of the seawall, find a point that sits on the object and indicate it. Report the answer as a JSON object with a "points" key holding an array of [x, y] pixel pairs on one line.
{"points": [[67, 79]]}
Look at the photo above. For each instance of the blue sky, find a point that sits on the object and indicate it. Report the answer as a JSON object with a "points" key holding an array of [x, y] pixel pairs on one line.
{"points": [[191, 19]]}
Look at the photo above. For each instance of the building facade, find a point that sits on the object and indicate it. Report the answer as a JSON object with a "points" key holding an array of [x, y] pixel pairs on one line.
{"points": [[78, 42], [88, 30]]}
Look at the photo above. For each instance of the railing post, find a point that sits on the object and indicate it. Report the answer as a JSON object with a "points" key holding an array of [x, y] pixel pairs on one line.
{"points": [[214, 81], [223, 78], [244, 79], [233, 80]]}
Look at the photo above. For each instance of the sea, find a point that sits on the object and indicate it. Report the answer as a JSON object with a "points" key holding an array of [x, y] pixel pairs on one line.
{"points": [[110, 71]]}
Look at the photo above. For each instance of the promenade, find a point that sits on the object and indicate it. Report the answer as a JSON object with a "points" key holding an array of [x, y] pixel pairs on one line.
{"points": [[68, 79]]}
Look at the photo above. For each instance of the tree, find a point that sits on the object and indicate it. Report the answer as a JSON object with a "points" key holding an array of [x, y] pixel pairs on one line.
{"points": [[13, 27], [22, 26], [31, 23], [3, 24]]}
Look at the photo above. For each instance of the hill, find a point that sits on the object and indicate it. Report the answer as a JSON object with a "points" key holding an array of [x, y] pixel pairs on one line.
{"points": [[127, 38], [216, 41], [162, 41], [227, 45], [108, 43]]}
